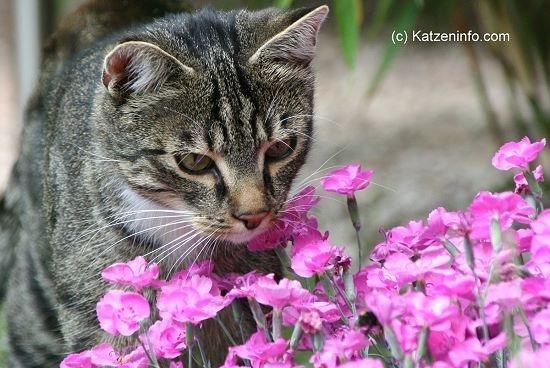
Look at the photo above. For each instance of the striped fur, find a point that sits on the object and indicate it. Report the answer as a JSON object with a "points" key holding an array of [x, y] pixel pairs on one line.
{"points": [[98, 160]]}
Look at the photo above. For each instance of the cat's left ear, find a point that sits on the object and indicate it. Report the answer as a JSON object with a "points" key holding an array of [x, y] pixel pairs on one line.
{"points": [[296, 43], [139, 67]]}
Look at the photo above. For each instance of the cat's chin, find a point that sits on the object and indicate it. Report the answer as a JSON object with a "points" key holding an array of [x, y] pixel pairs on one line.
{"points": [[236, 238], [244, 236]]}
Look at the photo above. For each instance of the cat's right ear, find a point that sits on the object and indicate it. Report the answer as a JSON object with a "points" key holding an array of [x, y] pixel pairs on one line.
{"points": [[138, 67]]}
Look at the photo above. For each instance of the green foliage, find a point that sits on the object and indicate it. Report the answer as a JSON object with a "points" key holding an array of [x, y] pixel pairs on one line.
{"points": [[283, 3], [347, 16], [405, 19]]}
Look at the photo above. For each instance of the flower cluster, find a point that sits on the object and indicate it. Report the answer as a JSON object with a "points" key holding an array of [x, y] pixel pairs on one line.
{"points": [[460, 289]]}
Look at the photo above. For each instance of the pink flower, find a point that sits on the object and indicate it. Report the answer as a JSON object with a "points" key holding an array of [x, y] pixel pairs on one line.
{"points": [[363, 363], [521, 181], [204, 268], [137, 273], [507, 293], [293, 220], [469, 350], [518, 155], [347, 180], [344, 345], [527, 358], [524, 238], [192, 300], [258, 351], [311, 315], [536, 291], [441, 341], [402, 239], [386, 307], [166, 337], [540, 244], [540, 325], [135, 359], [244, 285], [120, 312], [314, 255], [103, 355], [505, 207], [431, 310], [78, 360], [279, 295]]}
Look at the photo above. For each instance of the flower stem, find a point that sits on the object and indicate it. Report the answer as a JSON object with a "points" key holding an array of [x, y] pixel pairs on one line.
{"points": [[152, 357], [259, 317], [205, 363], [451, 248], [331, 293], [422, 350], [511, 337], [496, 235], [391, 338], [356, 222], [535, 189], [318, 341], [277, 323], [296, 334], [523, 317], [470, 260]]}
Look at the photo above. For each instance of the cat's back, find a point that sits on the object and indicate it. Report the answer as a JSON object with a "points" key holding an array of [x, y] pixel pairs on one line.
{"points": [[53, 144]]}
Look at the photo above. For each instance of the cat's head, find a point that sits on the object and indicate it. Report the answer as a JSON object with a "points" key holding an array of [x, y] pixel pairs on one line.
{"points": [[212, 113]]}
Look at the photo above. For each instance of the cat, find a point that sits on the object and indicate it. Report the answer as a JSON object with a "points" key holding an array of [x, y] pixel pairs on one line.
{"points": [[176, 137]]}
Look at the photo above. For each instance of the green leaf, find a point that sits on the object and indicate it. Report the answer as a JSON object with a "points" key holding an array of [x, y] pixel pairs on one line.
{"points": [[283, 3], [379, 18], [405, 20], [302, 358], [346, 14]]}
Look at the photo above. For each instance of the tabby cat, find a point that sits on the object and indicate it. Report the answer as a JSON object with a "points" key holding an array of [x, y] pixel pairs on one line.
{"points": [[175, 135]]}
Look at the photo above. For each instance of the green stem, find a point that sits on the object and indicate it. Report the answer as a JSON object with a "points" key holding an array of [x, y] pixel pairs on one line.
{"points": [[451, 248], [205, 363], [277, 323], [470, 260], [391, 338], [259, 316], [422, 349], [356, 222], [535, 189], [523, 317], [329, 290], [318, 341], [296, 334], [496, 235]]}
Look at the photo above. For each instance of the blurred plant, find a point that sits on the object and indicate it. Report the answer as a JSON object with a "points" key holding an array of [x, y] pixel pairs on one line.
{"points": [[523, 59]]}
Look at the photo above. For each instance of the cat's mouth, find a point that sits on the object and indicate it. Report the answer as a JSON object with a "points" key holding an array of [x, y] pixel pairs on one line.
{"points": [[237, 233]]}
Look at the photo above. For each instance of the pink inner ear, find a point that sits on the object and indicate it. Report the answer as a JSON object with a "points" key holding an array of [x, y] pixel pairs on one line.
{"points": [[115, 66]]}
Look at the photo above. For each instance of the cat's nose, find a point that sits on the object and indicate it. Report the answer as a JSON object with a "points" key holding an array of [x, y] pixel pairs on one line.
{"points": [[252, 221]]}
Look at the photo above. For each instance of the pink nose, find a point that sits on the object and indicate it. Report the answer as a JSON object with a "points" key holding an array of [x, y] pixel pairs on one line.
{"points": [[252, 221]]}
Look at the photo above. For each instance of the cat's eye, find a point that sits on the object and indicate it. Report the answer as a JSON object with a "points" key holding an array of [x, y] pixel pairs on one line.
{"points": [[280, 149], [194, 163]]}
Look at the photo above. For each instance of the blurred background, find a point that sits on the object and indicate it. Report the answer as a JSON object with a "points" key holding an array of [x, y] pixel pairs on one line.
{"points": [[426, 116]]}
